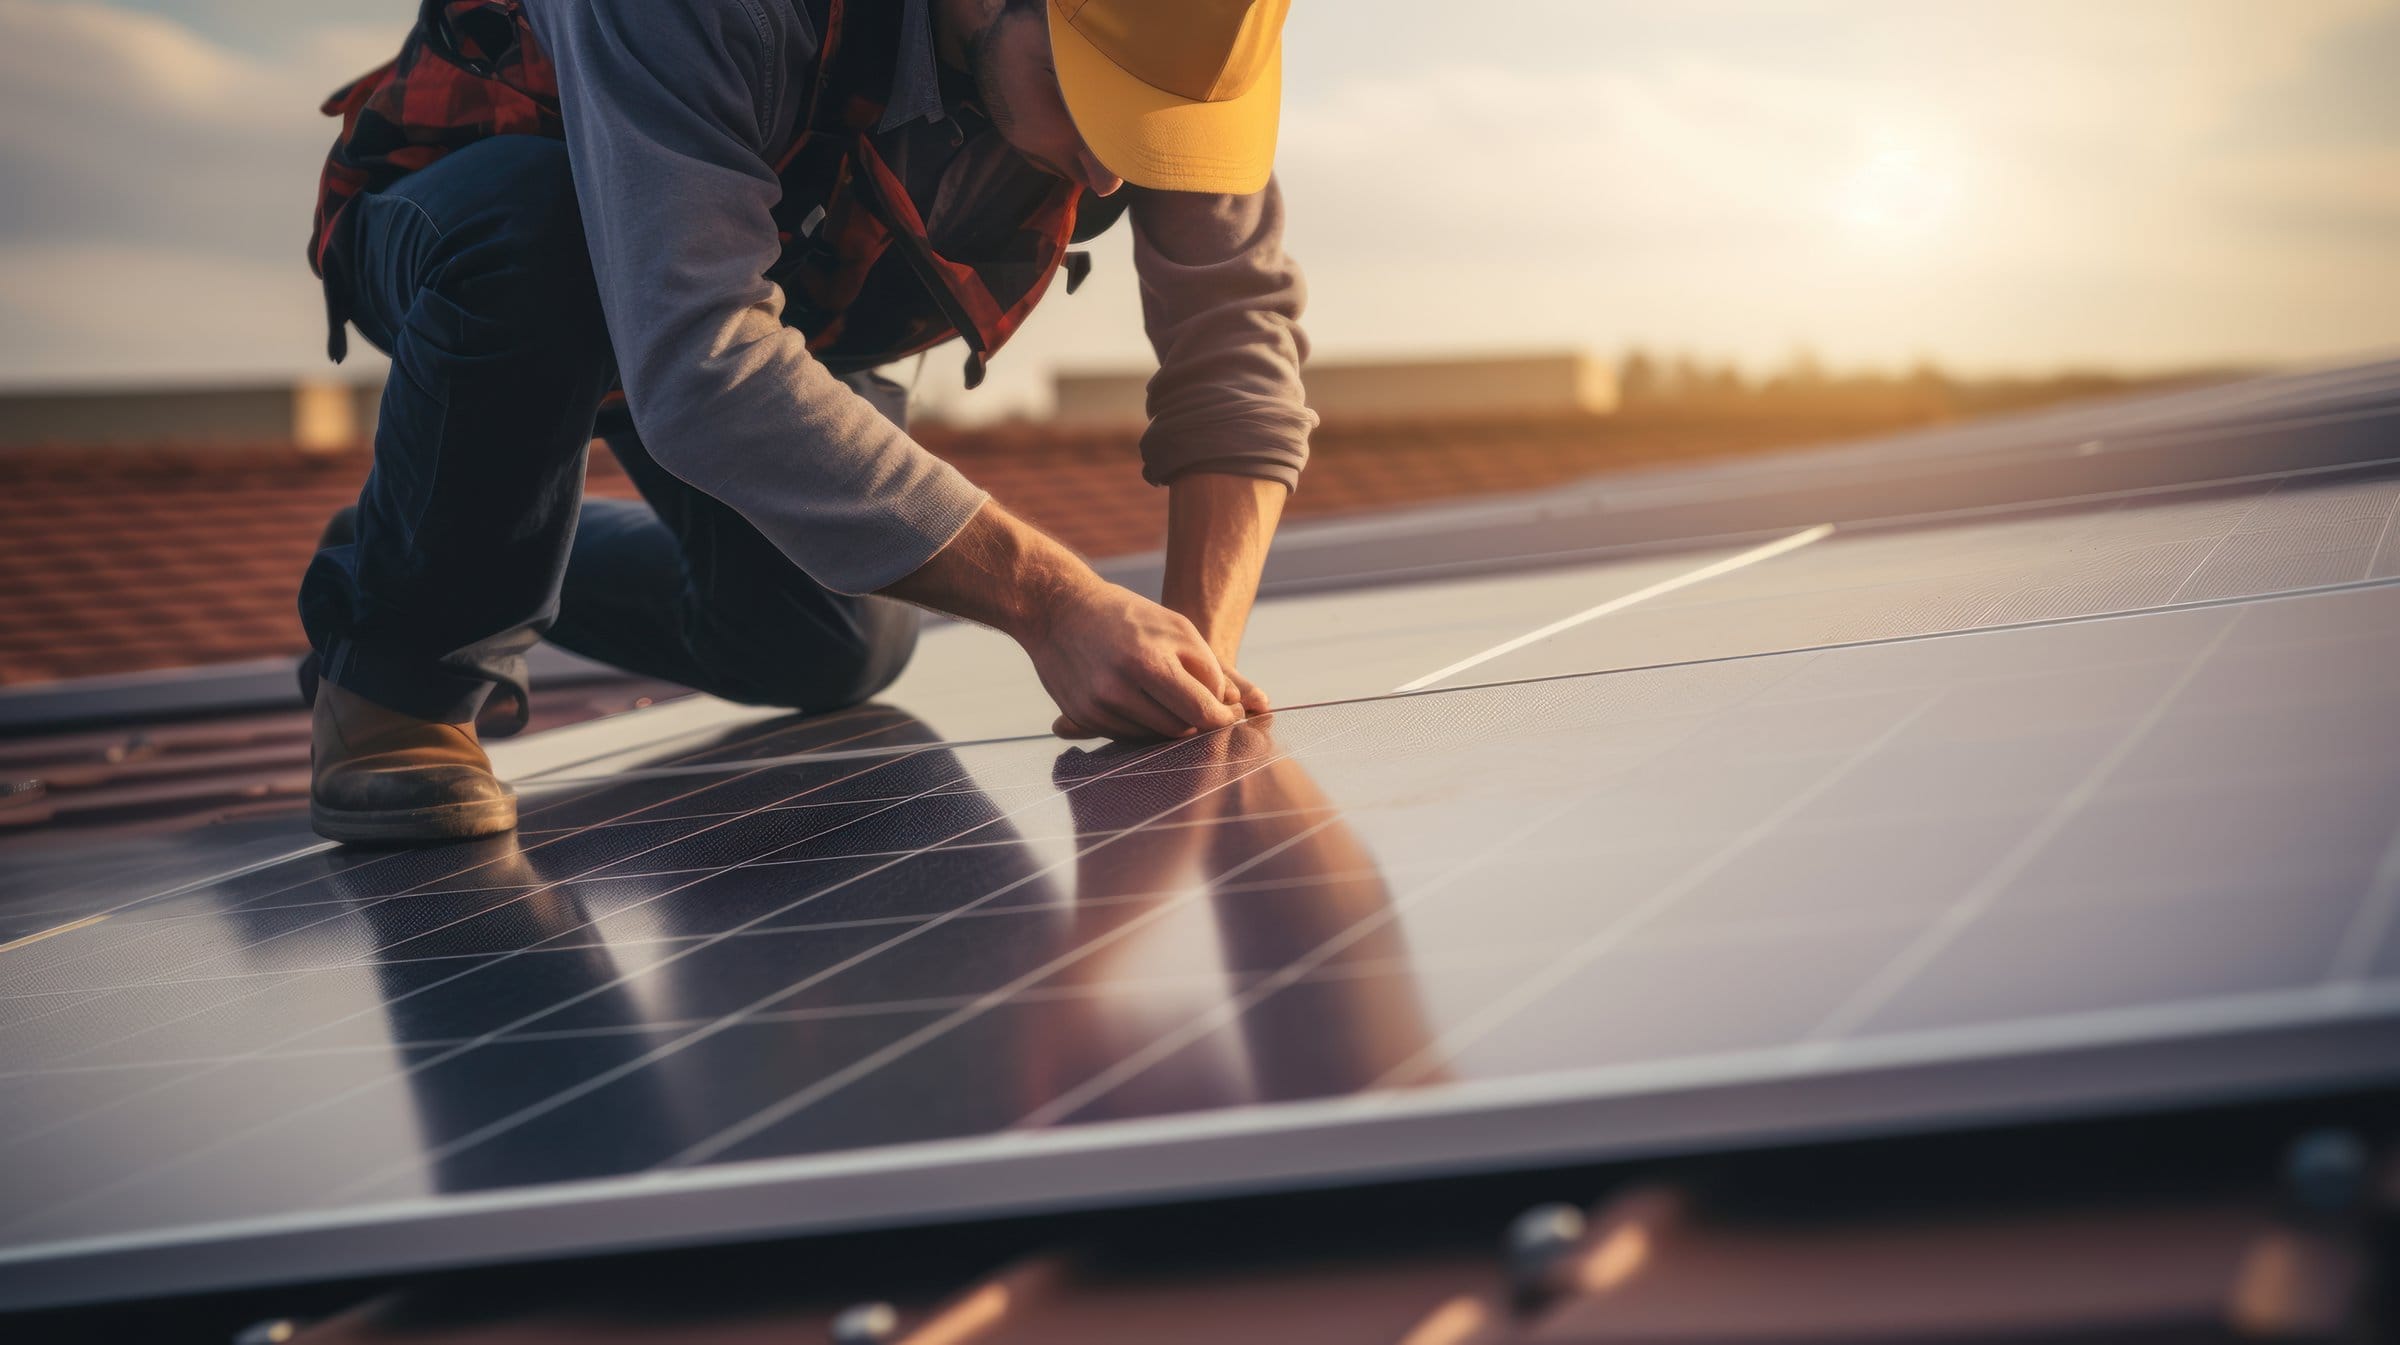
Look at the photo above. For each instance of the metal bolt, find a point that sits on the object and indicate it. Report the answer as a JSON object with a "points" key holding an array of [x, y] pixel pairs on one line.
{"points": [[1539, 1241], [866, 1324]]}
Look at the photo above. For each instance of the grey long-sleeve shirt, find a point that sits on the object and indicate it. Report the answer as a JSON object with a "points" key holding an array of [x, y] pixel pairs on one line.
{"points": [[673, 110]]}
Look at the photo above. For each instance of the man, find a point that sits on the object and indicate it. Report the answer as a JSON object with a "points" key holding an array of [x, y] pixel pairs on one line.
{"points": [[734, 210]]}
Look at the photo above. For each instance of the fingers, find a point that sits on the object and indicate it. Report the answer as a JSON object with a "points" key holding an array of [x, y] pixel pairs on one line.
{"points": [[1086, 711], [1185, 697], [1197, 660], [1118, 707], [1208, 678], [1105, 722], [1134, 704], [1253, 701], [1157, 706]]}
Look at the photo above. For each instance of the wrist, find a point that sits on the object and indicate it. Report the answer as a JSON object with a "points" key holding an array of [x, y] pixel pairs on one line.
{"points": [[1220, 629], [1218, 531], [1047, 586], [1001, 572]]}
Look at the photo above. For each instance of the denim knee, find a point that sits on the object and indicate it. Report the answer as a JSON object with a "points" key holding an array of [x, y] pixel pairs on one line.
{"points": [[813, 670], [515, 262]]}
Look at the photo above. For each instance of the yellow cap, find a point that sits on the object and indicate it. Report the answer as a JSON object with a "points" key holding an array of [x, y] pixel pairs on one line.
{"points": [[1181, 95]]}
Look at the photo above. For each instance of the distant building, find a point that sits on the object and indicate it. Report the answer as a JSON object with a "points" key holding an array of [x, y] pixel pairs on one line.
{"points": [[1564, 383], [319, 415]]}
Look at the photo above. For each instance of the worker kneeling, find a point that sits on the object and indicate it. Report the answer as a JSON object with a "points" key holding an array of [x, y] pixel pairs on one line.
{"points": [[730, 213]]}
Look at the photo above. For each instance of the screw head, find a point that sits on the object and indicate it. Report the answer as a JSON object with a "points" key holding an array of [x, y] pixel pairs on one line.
{"points": [[1538, 1240]]}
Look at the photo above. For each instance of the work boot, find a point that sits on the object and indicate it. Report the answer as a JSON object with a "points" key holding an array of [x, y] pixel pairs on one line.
{"points": [[379, 777]]}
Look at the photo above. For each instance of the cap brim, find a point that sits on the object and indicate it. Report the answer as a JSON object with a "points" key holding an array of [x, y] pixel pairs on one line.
{"points": [[1152, 138]]}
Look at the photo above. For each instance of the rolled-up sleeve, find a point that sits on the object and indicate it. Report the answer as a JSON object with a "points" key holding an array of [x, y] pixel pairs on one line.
{"points": [[1221, 301], [669, 111]]}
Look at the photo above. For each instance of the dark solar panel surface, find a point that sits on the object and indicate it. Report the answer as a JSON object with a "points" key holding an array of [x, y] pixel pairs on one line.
{"points": [[2156, 550], [2018, 813]]}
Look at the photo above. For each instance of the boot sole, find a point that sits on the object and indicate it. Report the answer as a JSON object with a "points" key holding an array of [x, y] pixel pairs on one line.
{"points": [[432, 825]]}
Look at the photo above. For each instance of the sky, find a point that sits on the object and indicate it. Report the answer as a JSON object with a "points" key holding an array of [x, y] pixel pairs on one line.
{"points": [[1998, 185]]}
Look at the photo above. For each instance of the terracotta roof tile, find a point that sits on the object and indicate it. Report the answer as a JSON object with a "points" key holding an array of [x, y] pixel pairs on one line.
{"points": [[158, 556]]}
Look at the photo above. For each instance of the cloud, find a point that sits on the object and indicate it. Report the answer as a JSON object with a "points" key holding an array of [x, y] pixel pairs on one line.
{"points": [[159, 186], [129, 126], [75, 312], [2013, 182]]}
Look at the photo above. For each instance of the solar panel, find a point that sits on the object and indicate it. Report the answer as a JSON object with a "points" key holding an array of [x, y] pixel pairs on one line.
{"points": [[2036, 812]]}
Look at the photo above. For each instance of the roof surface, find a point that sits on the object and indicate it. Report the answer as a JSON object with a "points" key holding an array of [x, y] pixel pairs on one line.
{"points": [[160, 556]]}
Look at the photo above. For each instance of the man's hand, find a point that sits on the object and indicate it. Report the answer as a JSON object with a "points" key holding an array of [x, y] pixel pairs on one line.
{"points": [[1116, 663], [1246, 694], [1121, 665]]}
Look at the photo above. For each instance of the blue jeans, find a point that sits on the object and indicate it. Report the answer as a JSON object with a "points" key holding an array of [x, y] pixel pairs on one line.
{"points": [[473, 538]]}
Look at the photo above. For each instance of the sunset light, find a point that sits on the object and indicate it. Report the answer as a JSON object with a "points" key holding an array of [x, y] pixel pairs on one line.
{"points": [[1701, 670], [1904, 192]]}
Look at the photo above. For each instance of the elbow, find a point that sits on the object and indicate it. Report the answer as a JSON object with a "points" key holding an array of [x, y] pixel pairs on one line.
{"points": [[668, 402], [685, 371], [672, 442]]}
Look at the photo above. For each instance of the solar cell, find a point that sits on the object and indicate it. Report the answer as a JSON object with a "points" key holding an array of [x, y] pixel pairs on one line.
{"points": [[2043, 809]]}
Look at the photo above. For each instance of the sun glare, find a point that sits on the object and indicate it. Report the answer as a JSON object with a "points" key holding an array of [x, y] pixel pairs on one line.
{"points": [[1901, 192]]}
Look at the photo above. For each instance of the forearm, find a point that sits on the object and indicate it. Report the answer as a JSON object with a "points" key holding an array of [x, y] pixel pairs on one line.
{"points": [[1219, 527], [999, 571]]}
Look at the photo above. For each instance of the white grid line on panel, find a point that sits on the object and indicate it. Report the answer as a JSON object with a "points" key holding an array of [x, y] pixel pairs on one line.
{"points": [[471, 970], [390, 857], [718, 1025], [1753, 556], [2378, 912], [2383, 537], [791, 1106], [2228, 535], [521, 893], [1895, 975], [439, 1058], [1606, 940]]}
